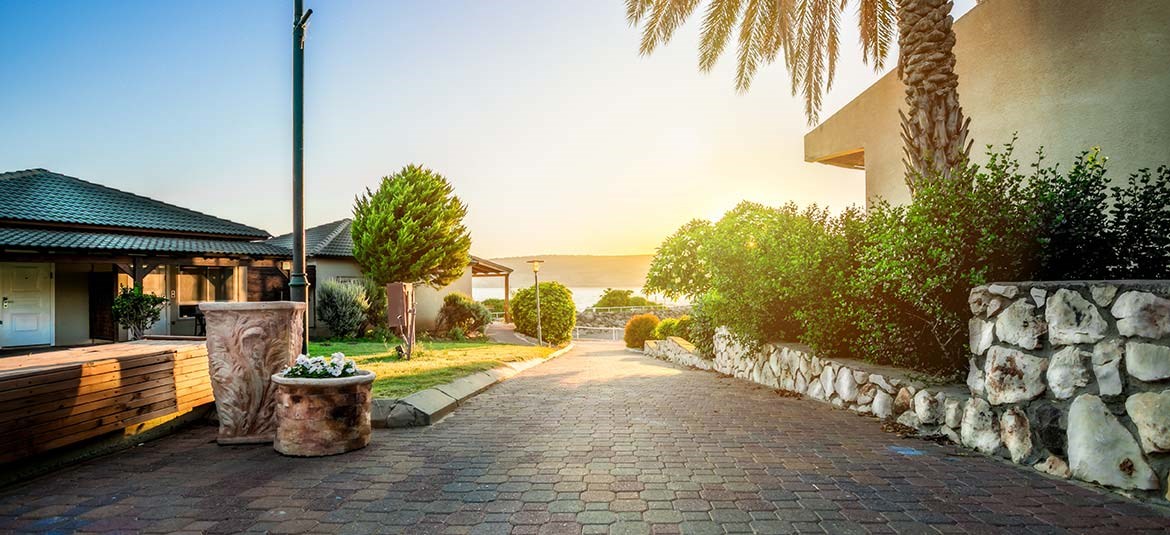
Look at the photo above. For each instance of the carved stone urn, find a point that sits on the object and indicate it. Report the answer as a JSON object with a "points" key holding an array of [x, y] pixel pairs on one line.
{"points": [[317, 417], [246, 344]]}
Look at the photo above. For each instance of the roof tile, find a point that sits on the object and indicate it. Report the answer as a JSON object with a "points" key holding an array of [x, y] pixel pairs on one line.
{"points": [[38, 195]]}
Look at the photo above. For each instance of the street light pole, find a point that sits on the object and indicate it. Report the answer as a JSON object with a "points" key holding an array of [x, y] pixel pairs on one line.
{"points": [[298, 284], [536, 279]]}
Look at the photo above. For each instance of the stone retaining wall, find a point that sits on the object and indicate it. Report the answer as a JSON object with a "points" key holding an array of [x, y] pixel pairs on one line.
{"points": [[618, 318], [1070, 378]]}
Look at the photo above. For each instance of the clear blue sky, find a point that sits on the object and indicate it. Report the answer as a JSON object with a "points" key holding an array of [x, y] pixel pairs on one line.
{"points": [[559, 137]]}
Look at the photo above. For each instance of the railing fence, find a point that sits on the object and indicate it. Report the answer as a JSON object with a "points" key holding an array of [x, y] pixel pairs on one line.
{"points": [[598, 333]]}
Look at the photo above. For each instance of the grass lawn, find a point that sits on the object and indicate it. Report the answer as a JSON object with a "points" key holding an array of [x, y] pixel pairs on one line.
{"points": [[434, 363]]}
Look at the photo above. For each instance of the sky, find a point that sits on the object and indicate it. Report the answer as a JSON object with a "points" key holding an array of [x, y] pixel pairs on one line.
{"points": [[557, 134]]}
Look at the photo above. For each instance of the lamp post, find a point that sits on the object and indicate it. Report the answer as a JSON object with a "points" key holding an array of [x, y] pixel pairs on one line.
{"points": [[536, 279], [298, 284]]}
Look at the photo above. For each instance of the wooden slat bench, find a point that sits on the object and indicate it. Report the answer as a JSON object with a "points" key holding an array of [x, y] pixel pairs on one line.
{"points": [[54, 399]]}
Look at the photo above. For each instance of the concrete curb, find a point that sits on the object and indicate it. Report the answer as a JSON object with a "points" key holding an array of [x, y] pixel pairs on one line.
{"points": [[426, 407]]}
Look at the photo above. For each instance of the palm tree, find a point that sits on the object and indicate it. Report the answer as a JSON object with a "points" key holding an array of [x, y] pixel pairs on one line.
{"points": [[805, 33]]}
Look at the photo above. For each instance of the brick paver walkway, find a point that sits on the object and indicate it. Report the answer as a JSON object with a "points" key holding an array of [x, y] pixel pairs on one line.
{"points": [[600, 440]]}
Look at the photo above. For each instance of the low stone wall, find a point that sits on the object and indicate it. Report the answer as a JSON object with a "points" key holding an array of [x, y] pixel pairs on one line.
{"points": [[1074, 376], [677, 350], [1069, 378], [619, 318]]}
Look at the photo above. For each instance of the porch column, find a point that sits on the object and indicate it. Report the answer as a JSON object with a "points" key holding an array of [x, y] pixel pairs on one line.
{"points": [[507, 300]]}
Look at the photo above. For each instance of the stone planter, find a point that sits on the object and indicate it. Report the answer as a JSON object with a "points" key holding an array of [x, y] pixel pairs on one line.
{"points": [[316, 417], [246, 344]]}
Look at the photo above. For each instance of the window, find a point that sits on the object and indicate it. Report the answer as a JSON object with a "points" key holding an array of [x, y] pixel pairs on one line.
{"points": [[201, 284]]}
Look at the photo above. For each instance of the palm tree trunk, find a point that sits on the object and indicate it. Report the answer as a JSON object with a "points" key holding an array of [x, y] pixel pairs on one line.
{"points": [[934, 130]]}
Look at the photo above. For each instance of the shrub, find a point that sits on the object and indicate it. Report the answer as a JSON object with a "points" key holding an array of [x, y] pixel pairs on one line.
{"points": [[683, 329], [766, 264], [457, 334], [639, 329], [495, 304], [460, 312], [891, 285], [1141, 219], [679, 267], [136, 311], [558, 314], [377, 306], [701, 329], [622, 298], [924, 258], [342, 306], [666, 328]]}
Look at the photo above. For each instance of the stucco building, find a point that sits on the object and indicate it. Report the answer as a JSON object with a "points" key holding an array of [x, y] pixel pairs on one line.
{"points": [[1066, 75], [329, 256]]}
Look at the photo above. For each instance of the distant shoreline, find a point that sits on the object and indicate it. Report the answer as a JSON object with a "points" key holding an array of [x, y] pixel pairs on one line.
{"points": [[574, 271]]}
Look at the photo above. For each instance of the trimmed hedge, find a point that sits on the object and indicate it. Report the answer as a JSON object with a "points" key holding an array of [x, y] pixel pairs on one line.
{"points": [[558, 314], [669, 327], [461, 315], [639, 329]]}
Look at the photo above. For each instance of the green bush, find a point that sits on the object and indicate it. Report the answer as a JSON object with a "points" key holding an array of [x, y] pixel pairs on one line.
{"points": [[376, 319], [679, 267], [924, 258], [666, 328], [701, 330], [683, 329], [457, 334], [459, 311], [639, 329], [342, 307], [558, 314], [891, 285], [495, 304], [1141, 221], [622, 298], [136, 311], [767, 265]]}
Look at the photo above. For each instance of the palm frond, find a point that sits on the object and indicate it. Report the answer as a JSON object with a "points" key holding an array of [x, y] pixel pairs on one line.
{"points": [[749, 45], [718, 22], [878, 26], [636, 9], [659, 18]]}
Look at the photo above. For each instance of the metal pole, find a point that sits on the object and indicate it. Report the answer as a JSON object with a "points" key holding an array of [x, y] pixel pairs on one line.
{"points": [[539, 335], [298, 284]]}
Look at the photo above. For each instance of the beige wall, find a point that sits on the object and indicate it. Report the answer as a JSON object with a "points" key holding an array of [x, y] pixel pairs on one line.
{"points": [[329, 269], [428, 300], [1067, 75]]}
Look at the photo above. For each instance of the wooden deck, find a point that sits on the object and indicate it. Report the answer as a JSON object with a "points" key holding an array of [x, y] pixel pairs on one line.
{"points": [[54, 399]]}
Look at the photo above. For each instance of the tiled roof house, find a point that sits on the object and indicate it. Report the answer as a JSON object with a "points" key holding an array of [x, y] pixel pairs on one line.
{"points": [[67, 244]]}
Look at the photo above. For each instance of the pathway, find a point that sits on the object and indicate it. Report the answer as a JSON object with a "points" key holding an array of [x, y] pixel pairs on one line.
{"points": [[505, 333], [599, 440]]}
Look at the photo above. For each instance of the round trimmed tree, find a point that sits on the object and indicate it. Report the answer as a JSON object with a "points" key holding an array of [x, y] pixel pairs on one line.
{"points": [[411, 230], [558, 314]]}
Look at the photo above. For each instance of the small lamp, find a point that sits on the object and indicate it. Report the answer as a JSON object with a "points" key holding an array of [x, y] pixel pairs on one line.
{"points": [[536, 280]]}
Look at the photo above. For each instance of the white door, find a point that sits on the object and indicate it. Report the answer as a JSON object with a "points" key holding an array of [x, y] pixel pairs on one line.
{"points": [[26, 304]]}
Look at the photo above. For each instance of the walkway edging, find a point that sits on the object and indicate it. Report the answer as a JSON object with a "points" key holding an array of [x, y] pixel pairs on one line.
{"points": [[426, 407]]}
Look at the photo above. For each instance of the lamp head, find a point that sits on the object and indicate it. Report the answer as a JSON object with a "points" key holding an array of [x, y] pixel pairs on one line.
{"points": [[536, 265]]}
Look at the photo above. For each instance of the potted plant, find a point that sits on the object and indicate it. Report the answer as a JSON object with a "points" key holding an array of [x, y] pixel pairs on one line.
{"points": [[136, 311], [322, 406]]}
